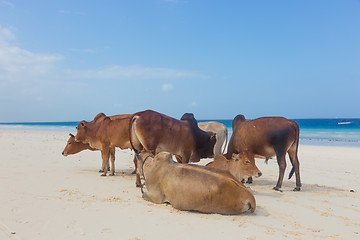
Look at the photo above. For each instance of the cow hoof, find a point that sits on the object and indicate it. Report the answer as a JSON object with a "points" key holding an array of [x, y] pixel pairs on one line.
{"points": [[133, 172], [297, 189], [112, 174], [277, 189], [103, 175], [101, 170], [138, 185]]}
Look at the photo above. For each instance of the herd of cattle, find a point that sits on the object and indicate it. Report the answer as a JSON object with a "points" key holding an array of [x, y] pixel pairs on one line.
{"points": [[214, 188]]}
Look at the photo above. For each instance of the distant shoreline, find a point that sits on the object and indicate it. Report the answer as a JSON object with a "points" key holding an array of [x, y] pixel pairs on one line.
{"points": [[303, 140]]}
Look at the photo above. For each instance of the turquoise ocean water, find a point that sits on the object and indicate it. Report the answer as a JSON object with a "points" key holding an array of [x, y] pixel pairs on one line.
{"points": [[344, 132]]}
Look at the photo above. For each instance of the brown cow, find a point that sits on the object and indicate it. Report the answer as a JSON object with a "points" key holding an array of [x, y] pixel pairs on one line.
{"points": [[105, 134], [268, 136], [155, 132], [73, 147], [221, 134], [192, 187], [239, 166]]}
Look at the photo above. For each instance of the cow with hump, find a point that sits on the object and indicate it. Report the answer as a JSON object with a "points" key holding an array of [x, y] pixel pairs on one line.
{"points": [[239, 166], [155, 132], [104, 134], [192, 187], [267, 136]]}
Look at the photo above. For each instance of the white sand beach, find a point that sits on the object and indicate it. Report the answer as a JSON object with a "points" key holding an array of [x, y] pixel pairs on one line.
{"points": [[45, 195]]}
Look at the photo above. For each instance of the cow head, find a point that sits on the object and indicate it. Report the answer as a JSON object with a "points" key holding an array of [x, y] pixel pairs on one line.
{"points": [[82, 132], [206, 150], [243, 166], [73, 147]]}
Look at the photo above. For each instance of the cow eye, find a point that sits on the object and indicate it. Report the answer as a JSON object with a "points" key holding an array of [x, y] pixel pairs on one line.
{"points": [[69, 143], [247, 161]]}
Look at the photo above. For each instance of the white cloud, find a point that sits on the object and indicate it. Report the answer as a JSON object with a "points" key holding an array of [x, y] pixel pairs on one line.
{"points": [[193, 104], [67, 12], [167, 87], [134, 72], [7, 3], [17, 64]]}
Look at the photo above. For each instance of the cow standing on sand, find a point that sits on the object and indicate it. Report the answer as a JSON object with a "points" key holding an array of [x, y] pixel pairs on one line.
{"points": [[73, 147], [221, 132], [239, 166], [104, 134], [155, 132], [192, 187], [268, 136]]}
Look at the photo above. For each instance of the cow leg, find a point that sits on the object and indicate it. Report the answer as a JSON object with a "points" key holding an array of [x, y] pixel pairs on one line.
{"points": [[105, 154], [112, 157], [102, 167], [296, 165], [135, 164], [280, 156], [251, 157], [178, 158], [138, 180], [249, 180]]}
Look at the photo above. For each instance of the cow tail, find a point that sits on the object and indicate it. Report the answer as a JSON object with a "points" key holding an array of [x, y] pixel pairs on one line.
{"points": [[132, 120], [296, 146], [226, 140], [291, 172]]}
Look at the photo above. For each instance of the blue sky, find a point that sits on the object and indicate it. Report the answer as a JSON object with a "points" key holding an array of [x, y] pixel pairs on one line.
{"points": [[69, 60]]}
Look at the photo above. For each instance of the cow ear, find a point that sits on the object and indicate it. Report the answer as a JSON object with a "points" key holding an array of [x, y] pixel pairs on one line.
{"points": [[249, 156], [71, 135]]}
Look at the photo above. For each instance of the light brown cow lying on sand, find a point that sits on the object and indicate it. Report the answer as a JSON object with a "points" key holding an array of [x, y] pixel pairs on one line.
{"points": [[192, 187], [221, 134], [239, 166], [105, 134]]}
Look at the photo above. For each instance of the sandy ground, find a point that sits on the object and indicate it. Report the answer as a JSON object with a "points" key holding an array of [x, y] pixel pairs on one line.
{"points": [[47, 196]]}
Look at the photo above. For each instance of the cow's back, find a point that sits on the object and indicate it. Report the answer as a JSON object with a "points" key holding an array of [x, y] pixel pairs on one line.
{"points": [[157, 132], [260, 135], [215, 190], [116, 132]]}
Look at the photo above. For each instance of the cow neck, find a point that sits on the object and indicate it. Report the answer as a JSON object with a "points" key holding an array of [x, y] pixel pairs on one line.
{"points": [[95, 134], [199, 135]]}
